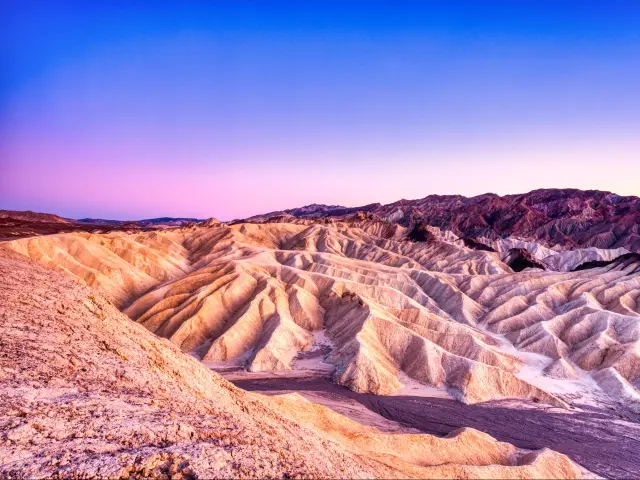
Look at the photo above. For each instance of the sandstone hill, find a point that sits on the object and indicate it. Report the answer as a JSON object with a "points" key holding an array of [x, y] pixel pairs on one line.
{"points": [[388, 305], [88, 393]]}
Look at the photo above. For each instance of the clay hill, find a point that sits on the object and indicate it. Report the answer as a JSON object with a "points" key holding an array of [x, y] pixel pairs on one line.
{"points": [[384, 308], [88, 393], [566, 218]]}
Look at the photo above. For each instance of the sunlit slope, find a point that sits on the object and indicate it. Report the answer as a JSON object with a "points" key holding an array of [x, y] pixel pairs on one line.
{"points": [[441, 313], [89, 393]]}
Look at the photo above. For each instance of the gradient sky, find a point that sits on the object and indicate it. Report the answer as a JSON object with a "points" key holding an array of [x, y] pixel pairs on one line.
{"points": [[228, 109]]}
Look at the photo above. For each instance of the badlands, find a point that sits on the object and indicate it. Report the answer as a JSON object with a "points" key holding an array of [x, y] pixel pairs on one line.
{"points": [[407, 320], [87, 393]]}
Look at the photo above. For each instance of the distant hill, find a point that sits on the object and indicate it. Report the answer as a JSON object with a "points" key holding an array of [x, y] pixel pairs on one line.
{"points": [[161, 221], [99, 221], [568, 218], [29, 216], [168, 221]]}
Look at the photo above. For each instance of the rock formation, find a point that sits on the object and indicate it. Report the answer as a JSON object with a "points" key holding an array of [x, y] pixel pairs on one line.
{"points": [[566, 218], [438, 312], [29, 216], [18, 224], [86, 392]]}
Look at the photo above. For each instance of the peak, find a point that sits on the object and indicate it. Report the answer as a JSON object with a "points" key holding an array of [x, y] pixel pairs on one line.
{"points": [[210, 222]]}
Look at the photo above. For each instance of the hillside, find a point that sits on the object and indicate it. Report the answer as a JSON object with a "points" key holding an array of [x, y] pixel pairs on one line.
{"points": [[377, 306], [89, 393], [566, 218]]}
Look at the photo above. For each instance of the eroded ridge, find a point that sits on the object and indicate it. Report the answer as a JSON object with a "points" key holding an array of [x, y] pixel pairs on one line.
{"points": [[89, 393], [386, 306]]}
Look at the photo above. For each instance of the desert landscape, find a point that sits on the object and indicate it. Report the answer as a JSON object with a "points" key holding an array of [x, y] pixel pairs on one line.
{"points": [[385, 334], [319, 240]]}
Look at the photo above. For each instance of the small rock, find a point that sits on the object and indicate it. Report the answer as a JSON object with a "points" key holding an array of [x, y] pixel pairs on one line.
{"points": [[22, 433]]}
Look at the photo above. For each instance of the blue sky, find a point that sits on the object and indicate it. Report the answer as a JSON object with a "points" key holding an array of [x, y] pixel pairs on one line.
{"points": [[136, 109]]}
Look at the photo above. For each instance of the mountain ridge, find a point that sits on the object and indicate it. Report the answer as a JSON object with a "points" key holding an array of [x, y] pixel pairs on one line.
{"points": [[567, 218]]}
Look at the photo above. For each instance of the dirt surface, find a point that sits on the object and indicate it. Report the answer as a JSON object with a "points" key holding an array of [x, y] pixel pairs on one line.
{"points": [[605, 442]]}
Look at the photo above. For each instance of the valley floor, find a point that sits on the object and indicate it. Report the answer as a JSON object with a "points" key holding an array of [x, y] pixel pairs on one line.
{"points": [[603, 440]]}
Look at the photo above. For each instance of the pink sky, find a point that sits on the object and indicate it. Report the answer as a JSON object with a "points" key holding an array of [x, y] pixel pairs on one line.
{"points": [[233, 109], [153, 185]]}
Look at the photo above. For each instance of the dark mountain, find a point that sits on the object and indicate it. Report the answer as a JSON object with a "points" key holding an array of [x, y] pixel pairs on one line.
{"points": [[567, 217], [29, 216], [99, 221], [148, 222], [167, 221], [17, 224]]}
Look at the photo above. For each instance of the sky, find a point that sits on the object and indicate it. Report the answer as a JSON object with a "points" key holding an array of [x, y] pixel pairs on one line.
{"points": [[135, 109]]}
